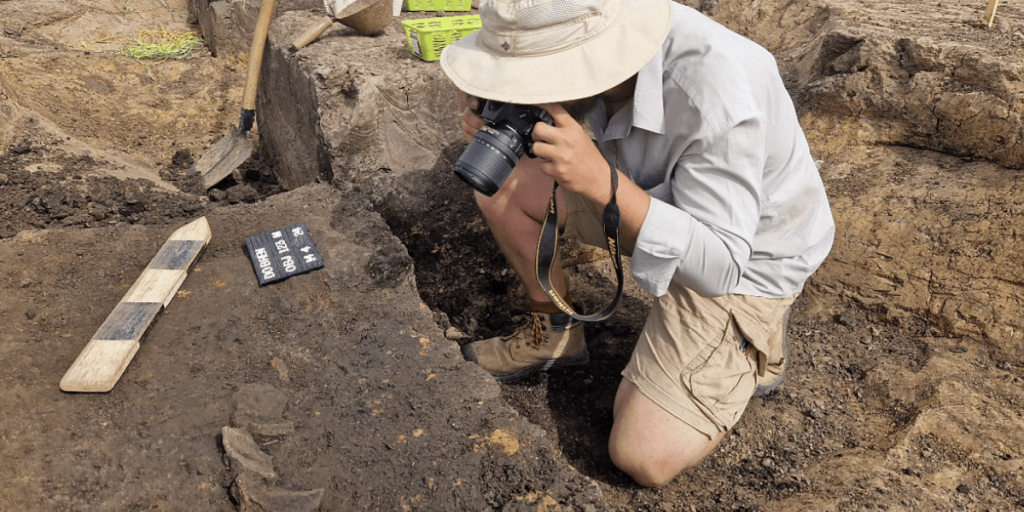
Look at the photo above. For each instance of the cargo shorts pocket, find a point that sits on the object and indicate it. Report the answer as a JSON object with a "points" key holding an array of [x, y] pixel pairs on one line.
{"points": [[721, 387]]}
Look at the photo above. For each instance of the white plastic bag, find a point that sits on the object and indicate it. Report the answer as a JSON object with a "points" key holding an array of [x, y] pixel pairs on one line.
{"points": [[333, 7]]}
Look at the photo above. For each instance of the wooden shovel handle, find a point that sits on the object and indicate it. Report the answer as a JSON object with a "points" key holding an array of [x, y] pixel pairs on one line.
{"points": [[990, 13], [259, 41], [312, 33]]}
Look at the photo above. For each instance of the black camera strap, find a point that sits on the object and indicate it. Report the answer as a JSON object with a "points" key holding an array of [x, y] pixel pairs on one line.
{"points": [[547, 247]]}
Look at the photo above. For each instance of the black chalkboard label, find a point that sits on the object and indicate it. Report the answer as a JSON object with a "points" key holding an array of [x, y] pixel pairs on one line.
{"points": [[282, 253]]}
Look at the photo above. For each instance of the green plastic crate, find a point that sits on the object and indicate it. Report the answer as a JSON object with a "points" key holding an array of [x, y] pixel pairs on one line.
{"points": [[438, 5], [427, 37]]}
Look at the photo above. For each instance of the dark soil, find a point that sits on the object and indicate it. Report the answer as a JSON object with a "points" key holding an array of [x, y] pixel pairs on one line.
{"points": [[823, 410], [904, 391]]}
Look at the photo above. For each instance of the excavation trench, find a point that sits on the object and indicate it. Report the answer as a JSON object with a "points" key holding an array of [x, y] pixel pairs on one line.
{"points": [[904, 126], [894, 116], [350, 377]]}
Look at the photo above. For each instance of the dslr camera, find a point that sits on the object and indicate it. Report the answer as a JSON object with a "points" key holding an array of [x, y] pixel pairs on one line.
{"points": [[497, 147]]}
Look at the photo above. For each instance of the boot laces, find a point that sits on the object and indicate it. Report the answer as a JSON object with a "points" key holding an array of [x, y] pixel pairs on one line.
{"points": [[535, 337]]}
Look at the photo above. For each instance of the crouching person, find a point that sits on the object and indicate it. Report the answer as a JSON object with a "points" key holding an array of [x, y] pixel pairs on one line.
{"points": [[722, 208]]}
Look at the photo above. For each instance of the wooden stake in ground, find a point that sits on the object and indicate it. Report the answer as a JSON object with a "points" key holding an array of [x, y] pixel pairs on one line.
{"points": [[990, 12], [102, 361]]}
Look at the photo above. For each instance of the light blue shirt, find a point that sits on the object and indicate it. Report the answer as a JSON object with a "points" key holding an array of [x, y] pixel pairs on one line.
{"points": [[711, 134]]}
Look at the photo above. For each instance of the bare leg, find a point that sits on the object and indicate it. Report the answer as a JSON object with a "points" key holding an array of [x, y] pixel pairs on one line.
{"points": [[515, 215], [651, 445]]}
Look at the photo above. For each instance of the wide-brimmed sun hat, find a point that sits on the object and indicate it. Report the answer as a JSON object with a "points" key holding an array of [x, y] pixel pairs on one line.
{"points": [[547, 51]]}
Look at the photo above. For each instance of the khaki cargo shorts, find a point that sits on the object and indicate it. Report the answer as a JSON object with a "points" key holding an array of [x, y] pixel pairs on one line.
{"points": [[698, 358]]}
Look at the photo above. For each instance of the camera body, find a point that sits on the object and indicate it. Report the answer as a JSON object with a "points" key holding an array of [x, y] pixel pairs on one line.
{"points": [[497, 147]]}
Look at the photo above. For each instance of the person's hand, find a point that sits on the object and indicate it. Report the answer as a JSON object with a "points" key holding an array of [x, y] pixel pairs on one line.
{"points": [[471, 122], [569, 157]]}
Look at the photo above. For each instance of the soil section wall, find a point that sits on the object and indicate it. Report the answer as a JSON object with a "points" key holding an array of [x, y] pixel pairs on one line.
{"points": [[352, 109], [920, 234]]}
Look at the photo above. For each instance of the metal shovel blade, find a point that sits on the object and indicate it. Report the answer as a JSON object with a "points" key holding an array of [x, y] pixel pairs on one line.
{"points": [[225, 156]]}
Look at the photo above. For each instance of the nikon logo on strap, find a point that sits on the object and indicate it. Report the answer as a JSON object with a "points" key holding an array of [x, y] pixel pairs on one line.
{"points": [[547, 247]]}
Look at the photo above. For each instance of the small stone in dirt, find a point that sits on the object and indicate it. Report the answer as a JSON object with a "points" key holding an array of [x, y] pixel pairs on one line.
{"points": [[253, 496], [958, 350], [847, 319], [767, 463], [242, 194], [963, 489], [30, 314], [816, 413], [244, 454], [453, 333], [217, 194], [20, 150], [3, 179], [182, 158], [281, 367]]}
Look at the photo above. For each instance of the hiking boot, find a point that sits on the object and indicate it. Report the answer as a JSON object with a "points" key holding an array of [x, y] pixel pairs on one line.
{"points": [[776, 370], [546, 341]]}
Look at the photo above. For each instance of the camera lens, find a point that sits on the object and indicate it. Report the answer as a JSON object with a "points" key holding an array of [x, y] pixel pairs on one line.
{"points": [[489, 158]]}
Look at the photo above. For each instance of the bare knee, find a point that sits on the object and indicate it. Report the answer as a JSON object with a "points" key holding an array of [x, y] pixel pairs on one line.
{"points": [[644, 474], [651, 445], [643, 467]]}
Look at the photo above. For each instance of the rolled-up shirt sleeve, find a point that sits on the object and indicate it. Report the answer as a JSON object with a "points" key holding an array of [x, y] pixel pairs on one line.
{"points": [[701, 236]]}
